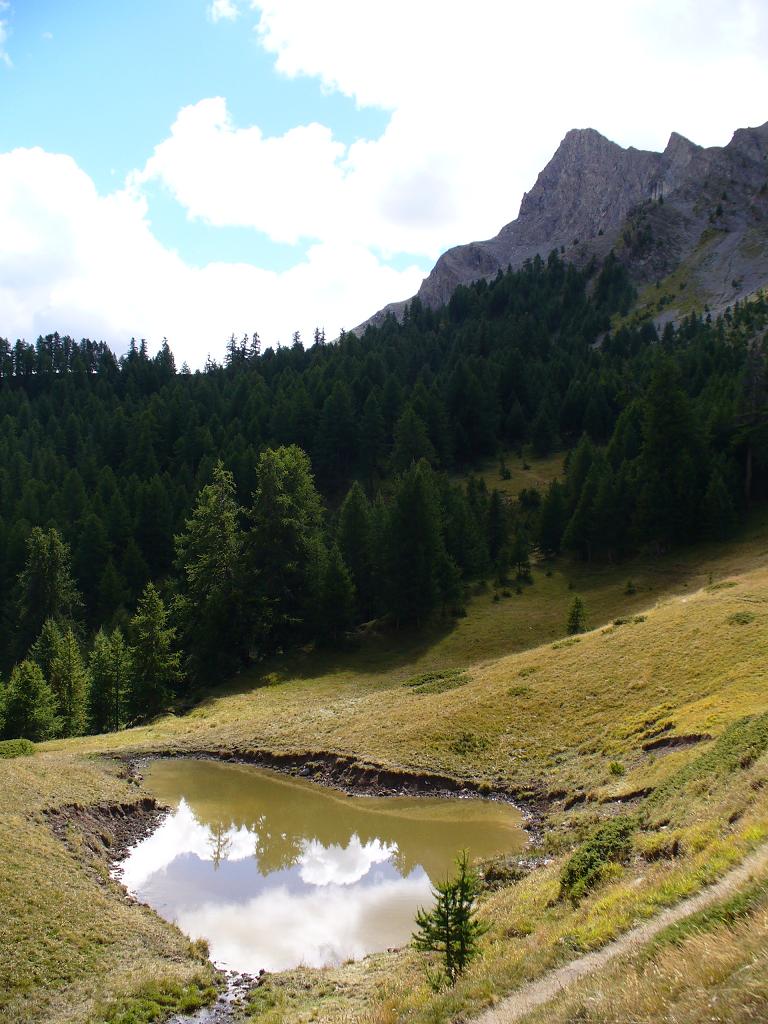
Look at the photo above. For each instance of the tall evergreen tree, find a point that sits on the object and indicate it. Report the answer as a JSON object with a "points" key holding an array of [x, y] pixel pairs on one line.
{"points": [[156, 662], [208, 557], [281, 548], [416, 548], [411, 441], [46, 587], [111, 681], [355, 539], [28, 706], [70, 683], [336, 607]]}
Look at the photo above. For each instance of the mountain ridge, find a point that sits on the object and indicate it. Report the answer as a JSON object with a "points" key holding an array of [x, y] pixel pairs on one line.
{"points": [[707, 206]]}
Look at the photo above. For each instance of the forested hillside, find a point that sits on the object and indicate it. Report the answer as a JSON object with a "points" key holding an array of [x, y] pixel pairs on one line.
{"points": [[287, 496]]}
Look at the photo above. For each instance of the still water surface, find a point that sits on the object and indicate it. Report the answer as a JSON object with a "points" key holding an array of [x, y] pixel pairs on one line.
{"points": [[275, 872]]}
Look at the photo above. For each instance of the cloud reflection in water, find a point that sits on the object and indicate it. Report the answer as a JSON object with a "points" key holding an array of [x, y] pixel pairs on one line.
{"points": [[319, 905]]}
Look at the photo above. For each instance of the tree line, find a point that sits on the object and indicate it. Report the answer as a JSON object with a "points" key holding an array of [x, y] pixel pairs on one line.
{"points": [[287, 495]]}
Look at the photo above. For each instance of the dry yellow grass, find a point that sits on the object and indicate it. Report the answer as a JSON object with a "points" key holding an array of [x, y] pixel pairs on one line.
{"points": [[537, 715], [69, 942]]}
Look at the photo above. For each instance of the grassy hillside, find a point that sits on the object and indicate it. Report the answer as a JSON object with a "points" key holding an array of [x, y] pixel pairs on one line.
{"points": [[585, 721], [553, 715]]}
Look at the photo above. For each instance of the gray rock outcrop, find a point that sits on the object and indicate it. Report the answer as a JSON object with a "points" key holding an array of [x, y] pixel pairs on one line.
{"points": [[702, 209]]}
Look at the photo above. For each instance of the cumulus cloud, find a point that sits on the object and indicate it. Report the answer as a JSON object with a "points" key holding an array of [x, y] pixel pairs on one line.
{"points": [[223, 10], [480, 96], [73, 260], [477, 100], [280, 928]]}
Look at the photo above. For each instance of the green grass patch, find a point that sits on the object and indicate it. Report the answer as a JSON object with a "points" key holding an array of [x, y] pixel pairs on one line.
{"points": [[157, 1002], [735, 908], [608, 845], [740, 619], [742, 743], [16, 748], [438, 682]]}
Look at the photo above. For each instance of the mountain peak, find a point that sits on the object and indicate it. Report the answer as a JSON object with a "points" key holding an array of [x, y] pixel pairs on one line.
{"points": [[594, 195]]}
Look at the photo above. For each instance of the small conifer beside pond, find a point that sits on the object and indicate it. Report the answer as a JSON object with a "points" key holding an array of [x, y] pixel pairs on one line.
{"points": [[451, 927]]}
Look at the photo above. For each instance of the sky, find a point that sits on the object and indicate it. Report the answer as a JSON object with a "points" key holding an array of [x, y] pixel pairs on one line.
{"points": [[189, 169]]}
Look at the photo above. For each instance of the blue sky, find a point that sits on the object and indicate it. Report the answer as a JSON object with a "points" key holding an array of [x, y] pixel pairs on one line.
{"points": [[190, 168], [103, 82]]}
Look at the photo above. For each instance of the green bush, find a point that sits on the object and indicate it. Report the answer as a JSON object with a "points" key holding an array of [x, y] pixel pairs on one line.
{"points": [[16, 748], [437, 682], [609, 844]]}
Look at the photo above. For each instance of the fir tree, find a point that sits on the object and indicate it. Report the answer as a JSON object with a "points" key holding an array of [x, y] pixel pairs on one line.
{"points": [[411, 442], [111, 682], [156, 671], [451, 928], [576, 617], [415, 547], [337, 599], [29, 706], [70, 683], [718, 512], [281, 546], [355, 539], [208, 557], [553, 519], [46, 586]]}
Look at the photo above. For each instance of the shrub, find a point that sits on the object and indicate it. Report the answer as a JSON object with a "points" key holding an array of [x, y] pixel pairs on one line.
{"points": [[615, 768], [16, 748], [437, 682], [741, 619], [608, 846]]}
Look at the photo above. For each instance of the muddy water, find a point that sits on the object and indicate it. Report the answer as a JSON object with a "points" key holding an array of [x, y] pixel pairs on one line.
{"points": [[276, 872]]}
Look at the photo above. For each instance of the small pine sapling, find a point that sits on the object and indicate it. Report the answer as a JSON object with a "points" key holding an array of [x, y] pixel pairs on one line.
{"points": [[451, 928]]}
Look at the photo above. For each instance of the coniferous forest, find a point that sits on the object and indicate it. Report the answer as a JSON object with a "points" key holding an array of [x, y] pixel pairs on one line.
{"points": [[162, 529]]}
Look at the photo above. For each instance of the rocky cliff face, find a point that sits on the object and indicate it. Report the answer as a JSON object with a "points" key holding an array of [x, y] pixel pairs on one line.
{"points": [[700, 212]]}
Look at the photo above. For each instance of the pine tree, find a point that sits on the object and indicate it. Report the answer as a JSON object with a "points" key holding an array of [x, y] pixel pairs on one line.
{"points": [[47, 646], [355, 539], [46, 587], [110, 671], [70, 683], [156, 671], [718, 512], [280, 548], [208, 557], [29, 706], [553, 519], [411, 442], [576, 617], [451, 928], [336, 610], [415, 547], [520, 555]]}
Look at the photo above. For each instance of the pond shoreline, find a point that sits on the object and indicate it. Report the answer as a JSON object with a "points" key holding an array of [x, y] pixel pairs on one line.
{"points": [[355, 778]]}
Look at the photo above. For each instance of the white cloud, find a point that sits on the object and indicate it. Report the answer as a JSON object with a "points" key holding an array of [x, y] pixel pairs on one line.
{"points": [[481, 96], [223, 10], [478, 100], [341, 865], [74, 261], [4, 55]]}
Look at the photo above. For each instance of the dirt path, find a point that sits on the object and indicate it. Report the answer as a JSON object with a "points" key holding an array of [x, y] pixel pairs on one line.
{"points": [[515, 1006]]}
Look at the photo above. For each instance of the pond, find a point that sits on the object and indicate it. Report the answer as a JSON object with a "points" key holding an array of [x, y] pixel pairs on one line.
{"points": [[274, 872]]}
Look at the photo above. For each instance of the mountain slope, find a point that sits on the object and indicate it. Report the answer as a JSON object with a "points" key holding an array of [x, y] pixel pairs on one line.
{"points": [[704, 209]]}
